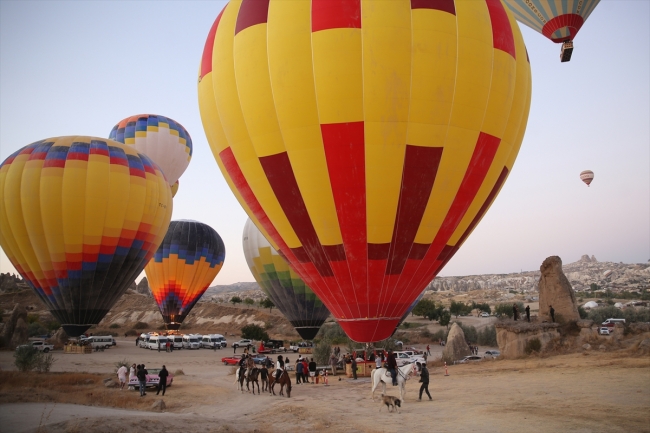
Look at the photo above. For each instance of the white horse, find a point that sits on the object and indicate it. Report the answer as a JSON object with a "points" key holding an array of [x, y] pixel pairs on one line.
{"points": [[382, 375]]}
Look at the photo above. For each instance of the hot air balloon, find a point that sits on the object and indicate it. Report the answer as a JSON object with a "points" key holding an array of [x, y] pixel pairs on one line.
{"points": [[188, 259], [80, 217], [175, 189], [299, 304], [367, 139], [587, 176], [160, 138], [559, 21]]}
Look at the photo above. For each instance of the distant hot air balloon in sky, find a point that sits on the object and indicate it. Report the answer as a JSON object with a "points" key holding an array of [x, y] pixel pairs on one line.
{"points": [[187, 261], [587, 176], [299, 304], [175, 188], [80, 217], [558, 20], [367, 139], [160, 138]]}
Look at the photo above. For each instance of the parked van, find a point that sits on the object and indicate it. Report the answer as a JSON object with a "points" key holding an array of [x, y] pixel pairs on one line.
{"points": [[611, 322], [144, 340], [209, 341], [176, 340], [155, 340], [191, 341], [100, 341]]}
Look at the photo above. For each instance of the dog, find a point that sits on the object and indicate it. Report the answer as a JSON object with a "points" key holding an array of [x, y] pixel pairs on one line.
{"points": [[392, 403]]}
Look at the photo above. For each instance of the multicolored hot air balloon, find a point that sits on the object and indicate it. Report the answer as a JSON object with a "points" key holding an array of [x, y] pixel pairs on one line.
{"points": [[80, 217], [558, 20], [282, 285], [366, 138], [587, 176], [160, 138], [187, 261], [175, 188]]}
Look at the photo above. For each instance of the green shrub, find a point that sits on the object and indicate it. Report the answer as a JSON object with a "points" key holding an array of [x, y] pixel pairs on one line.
{"points": [[600, 314], [583, 313], [505, 309], [35, 329], [254, 332], [141, 325], [322, 352], [235, 300], [32, 318], [114, 326], [334, 333], [45, 362], [487, 336], [470, 332], [249, 301], [533, 345], [52, 325], [26, 358]]}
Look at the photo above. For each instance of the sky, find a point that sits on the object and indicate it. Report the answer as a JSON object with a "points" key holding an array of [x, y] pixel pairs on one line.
{"points": [[78, 68]]}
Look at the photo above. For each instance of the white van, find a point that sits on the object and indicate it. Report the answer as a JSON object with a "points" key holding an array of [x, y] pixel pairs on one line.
{"points": [[143, 341], [191, 341], [103, 342], [611, 322], [209, 341], [155, 340], [177, 341]]}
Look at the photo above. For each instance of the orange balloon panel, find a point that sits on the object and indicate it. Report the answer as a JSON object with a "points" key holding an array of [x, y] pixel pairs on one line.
{"points": [[366, 139]]}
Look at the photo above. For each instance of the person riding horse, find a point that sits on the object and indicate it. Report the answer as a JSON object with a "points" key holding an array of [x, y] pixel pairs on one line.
{"points": [[392, 366], [279, 367], [250, 365]]}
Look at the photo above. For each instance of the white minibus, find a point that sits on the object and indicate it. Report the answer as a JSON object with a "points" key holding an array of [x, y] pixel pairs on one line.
{"points": [[155, 341]]}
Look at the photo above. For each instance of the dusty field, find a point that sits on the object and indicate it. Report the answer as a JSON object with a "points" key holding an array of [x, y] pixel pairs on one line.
{"points": [[597, 392]]}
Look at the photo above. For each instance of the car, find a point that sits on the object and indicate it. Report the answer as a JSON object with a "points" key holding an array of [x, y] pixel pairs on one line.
{"points": [[243, 343], [152, 379], [492, 354], [260, 359], [603, 331], [470, 358], [231, 360], [484, 314]]}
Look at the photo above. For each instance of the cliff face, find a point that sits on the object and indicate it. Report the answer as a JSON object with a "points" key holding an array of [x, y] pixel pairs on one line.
{"points": [[512, 337]]}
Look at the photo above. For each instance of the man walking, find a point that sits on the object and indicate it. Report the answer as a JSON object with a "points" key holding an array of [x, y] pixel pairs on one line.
{"points": [[121, 375], [162, 382], [333, 362], [424, 380], [428, 350], [142, 379], [528, 313], [353, 366], [312, 370], [552, 311]]}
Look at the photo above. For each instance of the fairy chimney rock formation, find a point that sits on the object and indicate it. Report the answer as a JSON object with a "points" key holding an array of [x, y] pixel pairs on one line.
{"points": [[555, 290], [143, 287], [456, 347]]}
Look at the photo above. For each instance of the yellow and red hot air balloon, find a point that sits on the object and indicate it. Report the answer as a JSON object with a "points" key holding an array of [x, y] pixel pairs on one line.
{"points": [[175, 188], [80, 217], [162, 139], [366, 138], [587, 176], [187, 261], [558, 20]]}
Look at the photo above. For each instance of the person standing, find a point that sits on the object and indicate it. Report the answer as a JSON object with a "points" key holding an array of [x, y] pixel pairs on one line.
{"points": [[142, 380], [137, 340], [552, 311], [428, 350], [515, 313], [312, 370], [298, 371], [353, 366], [528, 313], [132, 372], [424, 380], [333, 362], [162, 382], [392, 366], [121, 375], [158, 346]]}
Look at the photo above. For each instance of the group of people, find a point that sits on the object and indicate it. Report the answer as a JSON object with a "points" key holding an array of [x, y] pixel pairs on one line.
{"points": [[141, 373], [305, 370], [515, 312]]}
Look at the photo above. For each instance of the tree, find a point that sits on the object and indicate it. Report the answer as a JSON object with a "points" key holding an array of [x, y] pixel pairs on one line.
{"points": [[444, 318], [248, 301], [422, 307], [254, 332], [235, 300], [267, 303]]}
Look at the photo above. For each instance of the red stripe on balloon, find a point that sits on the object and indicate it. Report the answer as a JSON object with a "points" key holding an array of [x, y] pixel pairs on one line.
{"points": [[573, 21], [419, 173], [251, 12], [441, 5], [335, 14], [206, 58], [502, 38]]}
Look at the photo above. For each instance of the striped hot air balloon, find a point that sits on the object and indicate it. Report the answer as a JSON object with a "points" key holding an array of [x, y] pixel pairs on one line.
{"points": [[295, 300], [366, 138], [587, 176], [160, 138], [80, 217], [187, 261]]}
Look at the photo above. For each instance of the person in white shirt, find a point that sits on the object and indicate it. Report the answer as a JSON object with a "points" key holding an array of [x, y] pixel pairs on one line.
{"points": [[121, 375]]}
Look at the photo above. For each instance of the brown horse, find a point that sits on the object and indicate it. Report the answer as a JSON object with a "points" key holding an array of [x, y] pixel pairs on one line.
{"points": [[250, 377], [284, 380], [264, 377]]}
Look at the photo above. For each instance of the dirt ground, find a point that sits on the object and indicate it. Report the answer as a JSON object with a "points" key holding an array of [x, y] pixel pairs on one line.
{"points": [[593, 392]]}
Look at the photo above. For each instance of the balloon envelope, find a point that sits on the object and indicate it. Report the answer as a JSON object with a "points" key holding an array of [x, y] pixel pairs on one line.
{"points": [[559, 21], [79, 219], [367, 139], [282, 285], [587, 176], [188, 259], [175, 188], [160, 138]]}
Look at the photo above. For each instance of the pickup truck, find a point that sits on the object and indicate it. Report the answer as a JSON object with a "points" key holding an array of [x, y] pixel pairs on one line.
{"points": [[40, 345]]}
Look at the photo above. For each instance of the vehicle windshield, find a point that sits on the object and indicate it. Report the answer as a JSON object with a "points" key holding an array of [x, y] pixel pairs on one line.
{"points": [[194, 340]]}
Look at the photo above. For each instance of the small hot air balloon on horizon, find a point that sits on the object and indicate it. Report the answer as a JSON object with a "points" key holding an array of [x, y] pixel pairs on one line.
{"points": [[559, 21], [162, 139], [80, 217], [295, 300], [587, 176], [188, 260], [366, 139]]}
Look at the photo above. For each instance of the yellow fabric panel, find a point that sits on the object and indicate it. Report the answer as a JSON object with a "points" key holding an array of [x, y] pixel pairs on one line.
{"points": [[210, 116], [29, 197], [50, 202], [524, 93], [254, 89], [292, 79], [458, 151], [97, 181], [475, 57], [162, 205], [433, 76], [504, 72], [11, 197], [386, 37], [73, 198], [338, 75], [235, 130], [117, 202]]}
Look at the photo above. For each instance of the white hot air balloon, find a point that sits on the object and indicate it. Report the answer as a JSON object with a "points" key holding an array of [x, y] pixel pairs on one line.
{"points": [[587, 176]]}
